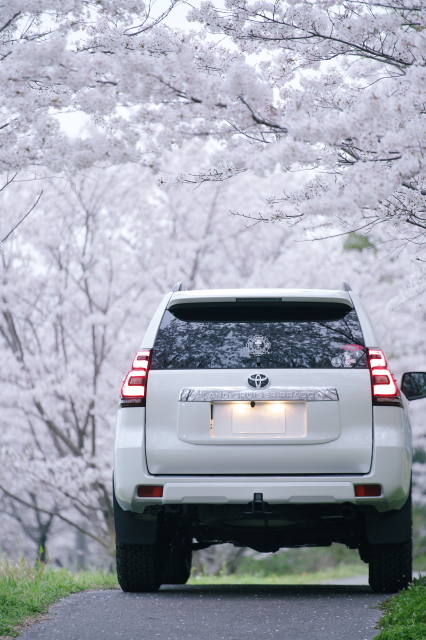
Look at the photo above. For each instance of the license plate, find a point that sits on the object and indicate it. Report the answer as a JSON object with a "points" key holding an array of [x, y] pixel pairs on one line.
{"points": [[268, 418]]}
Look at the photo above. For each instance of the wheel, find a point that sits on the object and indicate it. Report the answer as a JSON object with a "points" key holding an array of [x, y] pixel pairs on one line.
{"points": [[138, 567], [390, 566], [177, 561]]}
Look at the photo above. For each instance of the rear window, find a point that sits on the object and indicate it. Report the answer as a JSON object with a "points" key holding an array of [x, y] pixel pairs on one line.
{"points": [[259, 333]]}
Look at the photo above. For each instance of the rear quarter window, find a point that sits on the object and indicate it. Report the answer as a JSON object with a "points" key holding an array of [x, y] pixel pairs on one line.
{"points": [[259, 333]]}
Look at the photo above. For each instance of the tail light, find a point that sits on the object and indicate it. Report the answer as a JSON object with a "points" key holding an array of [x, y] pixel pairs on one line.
{"points": [[384, 388], [133, 389], [376, 358]]}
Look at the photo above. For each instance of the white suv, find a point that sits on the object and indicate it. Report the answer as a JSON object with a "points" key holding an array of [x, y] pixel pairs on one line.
{"points": [[266, 418]]}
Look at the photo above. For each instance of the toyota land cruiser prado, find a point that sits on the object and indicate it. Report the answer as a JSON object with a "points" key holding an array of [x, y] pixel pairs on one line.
{"points": [[266, 418]]}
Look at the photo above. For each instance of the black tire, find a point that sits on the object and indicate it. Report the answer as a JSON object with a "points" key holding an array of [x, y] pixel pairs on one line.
{"points": [[138, 567], [390, 566], [177, 561]]}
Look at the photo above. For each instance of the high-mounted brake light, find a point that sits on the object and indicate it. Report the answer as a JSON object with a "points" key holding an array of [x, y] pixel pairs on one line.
{"points": [[133, 389], [384, 388]]}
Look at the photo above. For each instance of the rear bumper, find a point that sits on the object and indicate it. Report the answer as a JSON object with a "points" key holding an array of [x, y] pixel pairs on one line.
{"points": [[274, 492], [391, 468], [289, 490]]}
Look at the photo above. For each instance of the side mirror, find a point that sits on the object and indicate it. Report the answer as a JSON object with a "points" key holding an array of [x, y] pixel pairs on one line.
{"points": [[413, 385]]}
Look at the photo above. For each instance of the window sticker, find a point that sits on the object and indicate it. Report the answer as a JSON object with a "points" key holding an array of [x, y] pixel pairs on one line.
{"points": [[347, 359], [258, 345]]}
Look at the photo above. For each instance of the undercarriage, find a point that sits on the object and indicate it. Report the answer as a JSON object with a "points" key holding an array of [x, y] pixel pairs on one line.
{"points": [[156, 547], [267, 528]]}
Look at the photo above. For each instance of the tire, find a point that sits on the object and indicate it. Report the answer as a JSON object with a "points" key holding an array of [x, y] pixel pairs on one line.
{"points": [[177, 561], [138, 567], [390, 566]]}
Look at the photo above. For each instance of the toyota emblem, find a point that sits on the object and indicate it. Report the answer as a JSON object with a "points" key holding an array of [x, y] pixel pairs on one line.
{"points": [[258, 381]]}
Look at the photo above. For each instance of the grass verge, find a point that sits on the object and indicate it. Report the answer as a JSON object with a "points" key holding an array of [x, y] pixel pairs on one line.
{"points": [[27, 591], [405, 614], [315, 577]]}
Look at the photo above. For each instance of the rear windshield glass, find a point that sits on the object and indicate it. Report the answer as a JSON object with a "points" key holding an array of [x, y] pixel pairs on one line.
{"points": [[259, 333]]}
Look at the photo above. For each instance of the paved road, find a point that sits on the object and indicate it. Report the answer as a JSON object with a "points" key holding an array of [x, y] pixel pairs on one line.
{"points": [[247, 612]]}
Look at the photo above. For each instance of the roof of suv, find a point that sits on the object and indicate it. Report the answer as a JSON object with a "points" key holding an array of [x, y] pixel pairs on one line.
{"points": [[229, 295]]}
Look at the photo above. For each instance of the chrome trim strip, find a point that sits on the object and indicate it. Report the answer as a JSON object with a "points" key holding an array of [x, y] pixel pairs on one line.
{"points": [[225, 394]]}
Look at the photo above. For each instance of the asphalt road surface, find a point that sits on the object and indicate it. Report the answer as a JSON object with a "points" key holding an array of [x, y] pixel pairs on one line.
{"points": [[246, 612]]}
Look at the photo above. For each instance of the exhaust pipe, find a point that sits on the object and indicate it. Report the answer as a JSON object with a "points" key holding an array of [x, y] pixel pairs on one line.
{"points": [[347, 511]]}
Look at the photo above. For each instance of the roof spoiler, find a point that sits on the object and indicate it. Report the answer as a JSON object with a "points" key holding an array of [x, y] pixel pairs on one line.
{"points": [[179, 287]]}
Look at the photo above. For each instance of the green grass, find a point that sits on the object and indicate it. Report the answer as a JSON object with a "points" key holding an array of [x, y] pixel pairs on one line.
{"points": [[316, 577], [419, 538], [304, 560], [405, 614], [26, 591]]}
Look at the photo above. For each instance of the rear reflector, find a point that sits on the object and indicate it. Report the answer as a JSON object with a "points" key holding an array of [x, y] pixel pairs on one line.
{"points": [[368, 490], [150, 492]]}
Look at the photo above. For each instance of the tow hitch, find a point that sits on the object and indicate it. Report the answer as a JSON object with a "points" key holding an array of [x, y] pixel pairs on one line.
{"points": [[258, 505]]}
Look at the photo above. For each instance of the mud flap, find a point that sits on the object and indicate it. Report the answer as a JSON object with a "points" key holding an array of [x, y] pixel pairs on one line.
{"points": [[129, 529], [391, 529]]}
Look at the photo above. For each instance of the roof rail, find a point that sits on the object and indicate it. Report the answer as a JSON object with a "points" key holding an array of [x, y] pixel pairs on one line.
{"points": [[178, 287], [346, 286]]}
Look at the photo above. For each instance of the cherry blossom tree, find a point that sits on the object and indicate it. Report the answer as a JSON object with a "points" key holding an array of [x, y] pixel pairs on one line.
{"points": [[348, 79], [114, 64], [318, 104], [80, 281], [57, 328], [334, 89]]}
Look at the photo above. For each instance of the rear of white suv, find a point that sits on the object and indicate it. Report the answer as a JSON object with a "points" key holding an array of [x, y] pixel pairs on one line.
{"points": [[266, 418]]}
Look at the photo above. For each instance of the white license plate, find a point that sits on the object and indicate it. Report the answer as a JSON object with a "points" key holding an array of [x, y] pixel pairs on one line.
{"points": [[263, 418]]}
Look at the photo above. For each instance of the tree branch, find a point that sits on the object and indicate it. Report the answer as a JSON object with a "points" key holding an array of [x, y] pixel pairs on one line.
{"points": [[54, 513]]}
